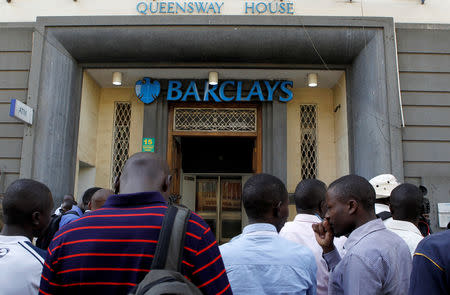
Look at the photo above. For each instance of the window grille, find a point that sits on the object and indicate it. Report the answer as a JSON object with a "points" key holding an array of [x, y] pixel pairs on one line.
{"points": [[121, 137], [209, 119], [308, 145]]}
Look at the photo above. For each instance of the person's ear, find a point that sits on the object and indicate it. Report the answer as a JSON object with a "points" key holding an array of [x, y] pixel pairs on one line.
{"points": [[166, 184], [36, 219], [89, 205], [352, 206], [277, 209], [322, 208]]}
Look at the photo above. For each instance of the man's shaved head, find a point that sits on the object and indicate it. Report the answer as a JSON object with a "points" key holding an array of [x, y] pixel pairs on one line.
{"points": [[351, 203], [99, 198], [309, 195], [357, 188], [144, 172], [265, 199], [27, 206], [406, 202], [22, 198], [87, 196]]}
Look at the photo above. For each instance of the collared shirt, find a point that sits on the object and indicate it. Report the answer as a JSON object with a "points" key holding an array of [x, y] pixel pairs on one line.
{"points": [[407, 231], [20, 266], [110, 250], [377, 261], [58, 210], [300, 231], [431, 265], [68, 218], [259, 261]]}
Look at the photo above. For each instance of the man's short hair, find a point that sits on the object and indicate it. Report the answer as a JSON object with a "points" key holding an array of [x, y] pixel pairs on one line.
{"points": [[355, 187], [309, 194], [87, 196], [22, 198], [261, 192], [406, 202]]}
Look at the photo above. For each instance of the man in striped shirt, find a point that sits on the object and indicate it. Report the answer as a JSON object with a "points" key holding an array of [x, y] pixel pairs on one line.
{"points": [[110, 250]]}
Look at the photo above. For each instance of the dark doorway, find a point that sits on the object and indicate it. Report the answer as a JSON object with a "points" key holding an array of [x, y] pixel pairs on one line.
{"points": [[217, 154]]}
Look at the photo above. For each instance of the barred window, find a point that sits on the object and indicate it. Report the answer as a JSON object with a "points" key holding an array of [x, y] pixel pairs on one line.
{"points": [[308, 144], [121, 137], [212, 120]]}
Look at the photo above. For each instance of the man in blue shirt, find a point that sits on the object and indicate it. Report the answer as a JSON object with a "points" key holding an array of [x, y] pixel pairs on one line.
{"points": [[377, 261], [259, 261], [431, 265], [76, 212]]}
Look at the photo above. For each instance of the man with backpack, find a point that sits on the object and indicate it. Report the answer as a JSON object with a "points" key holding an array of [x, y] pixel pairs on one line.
{"points": [[56, 221], [112, 249]]}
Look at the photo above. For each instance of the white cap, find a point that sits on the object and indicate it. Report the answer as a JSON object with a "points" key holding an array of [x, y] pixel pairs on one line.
{"points": [[383, 185]]}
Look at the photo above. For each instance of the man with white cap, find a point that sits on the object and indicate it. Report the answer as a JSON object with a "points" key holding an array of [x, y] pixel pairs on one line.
{"points": [[383, 185]]}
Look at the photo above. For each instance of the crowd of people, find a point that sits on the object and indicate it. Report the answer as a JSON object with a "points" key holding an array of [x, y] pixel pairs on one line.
{"points": [[353, 237]]}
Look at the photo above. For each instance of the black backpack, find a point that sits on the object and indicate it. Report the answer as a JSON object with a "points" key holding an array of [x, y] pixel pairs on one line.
{"points": [[165, 275], [44, 241]]}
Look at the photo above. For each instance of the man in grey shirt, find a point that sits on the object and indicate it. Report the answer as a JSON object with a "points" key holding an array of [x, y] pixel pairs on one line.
{"points": [[377, 261]]}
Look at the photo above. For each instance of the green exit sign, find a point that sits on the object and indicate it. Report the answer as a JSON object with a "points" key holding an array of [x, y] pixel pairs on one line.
{"points": [[148, 145]]}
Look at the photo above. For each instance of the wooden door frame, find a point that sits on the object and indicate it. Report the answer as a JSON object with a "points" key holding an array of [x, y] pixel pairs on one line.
{"points": [[257, 154]]}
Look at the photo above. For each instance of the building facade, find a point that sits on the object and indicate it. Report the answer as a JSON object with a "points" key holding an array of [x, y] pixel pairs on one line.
{"points": [[382, 104]]}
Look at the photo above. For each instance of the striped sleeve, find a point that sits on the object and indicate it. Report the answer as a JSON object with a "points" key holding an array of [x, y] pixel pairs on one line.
{"points": [[48, 277], [209, 274]]}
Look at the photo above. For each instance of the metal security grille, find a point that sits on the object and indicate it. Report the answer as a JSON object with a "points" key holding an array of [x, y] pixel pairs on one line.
{"points": [[208, 119], [121, 137], [308, 145]]}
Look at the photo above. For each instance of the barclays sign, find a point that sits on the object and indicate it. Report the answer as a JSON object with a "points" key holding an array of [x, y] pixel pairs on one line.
{"points": [[148, 90]]}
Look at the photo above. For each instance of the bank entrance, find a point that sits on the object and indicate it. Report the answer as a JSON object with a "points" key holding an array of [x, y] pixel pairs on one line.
{"points": [[212, 151]]}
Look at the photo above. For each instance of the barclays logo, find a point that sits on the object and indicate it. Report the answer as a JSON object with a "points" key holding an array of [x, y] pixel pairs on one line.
{"points": [[146, 90]]}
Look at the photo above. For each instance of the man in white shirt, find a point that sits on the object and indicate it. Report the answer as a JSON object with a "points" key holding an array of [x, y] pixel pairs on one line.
{"points": [[383, 185], [27, 208], [406, 207], [310, 204]]}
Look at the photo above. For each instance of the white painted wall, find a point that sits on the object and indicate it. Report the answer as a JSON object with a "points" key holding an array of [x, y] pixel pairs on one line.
{"points": [[433, 11]]}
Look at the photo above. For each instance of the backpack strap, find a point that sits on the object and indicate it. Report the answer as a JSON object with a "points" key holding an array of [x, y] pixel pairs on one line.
{"points": [[384, 215], [169, 250], [72, 212]]}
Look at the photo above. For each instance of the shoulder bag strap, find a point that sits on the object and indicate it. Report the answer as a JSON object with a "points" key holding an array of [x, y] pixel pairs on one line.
{"points": [[384, 215], [169, 250]]}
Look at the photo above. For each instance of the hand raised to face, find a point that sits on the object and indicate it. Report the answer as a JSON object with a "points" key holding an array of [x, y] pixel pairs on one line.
{"points": [[324, 235]]}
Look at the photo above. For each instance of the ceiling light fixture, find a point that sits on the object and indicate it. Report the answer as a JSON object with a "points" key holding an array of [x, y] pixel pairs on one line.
{"points": [[213, 78], [117, 78], [312, 80]]}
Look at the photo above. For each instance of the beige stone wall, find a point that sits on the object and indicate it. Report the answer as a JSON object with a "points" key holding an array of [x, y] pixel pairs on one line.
{"points": [[433, 11], [323, 98], [87, 133], [340, 127], [105, 132], [87, 129]]}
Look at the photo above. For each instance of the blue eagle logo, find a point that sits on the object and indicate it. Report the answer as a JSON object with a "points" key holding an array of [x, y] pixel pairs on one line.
{"points": [[146, 90]]}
